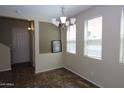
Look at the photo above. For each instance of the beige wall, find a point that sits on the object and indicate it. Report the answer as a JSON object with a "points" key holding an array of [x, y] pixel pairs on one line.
{"points": [[5, 62], [47, 33], [46, 61], [106, 72]]}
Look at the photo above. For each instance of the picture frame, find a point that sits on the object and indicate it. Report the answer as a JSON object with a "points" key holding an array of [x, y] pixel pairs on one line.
{"points": [[56, 46]]}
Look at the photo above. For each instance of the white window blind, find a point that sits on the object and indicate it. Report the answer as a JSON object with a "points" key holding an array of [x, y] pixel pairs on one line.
{"points": [[71, 39], [93, 38], [122, 39]]}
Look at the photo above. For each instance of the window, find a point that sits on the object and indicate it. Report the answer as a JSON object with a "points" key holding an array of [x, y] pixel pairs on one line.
{"points": [[122, 39], [93, 38], [71, 39]]}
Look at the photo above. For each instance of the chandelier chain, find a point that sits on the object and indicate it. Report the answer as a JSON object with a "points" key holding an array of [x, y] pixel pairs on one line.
{"points": [[62, 10]]}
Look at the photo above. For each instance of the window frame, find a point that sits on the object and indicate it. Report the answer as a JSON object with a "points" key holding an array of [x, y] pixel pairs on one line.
{"points": [[121, 28], [84, 43], [68, 42]]}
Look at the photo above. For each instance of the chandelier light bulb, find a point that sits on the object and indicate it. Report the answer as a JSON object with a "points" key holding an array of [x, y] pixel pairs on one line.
{"points": [[63, 20], [72, 20]]}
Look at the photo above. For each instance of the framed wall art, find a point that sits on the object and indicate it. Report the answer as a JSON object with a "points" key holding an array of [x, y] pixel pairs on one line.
{"points": [[56, 46]]}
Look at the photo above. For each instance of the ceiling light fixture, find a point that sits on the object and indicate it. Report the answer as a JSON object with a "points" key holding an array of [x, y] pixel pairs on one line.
{"points": [[30, 25], [63, 21]]}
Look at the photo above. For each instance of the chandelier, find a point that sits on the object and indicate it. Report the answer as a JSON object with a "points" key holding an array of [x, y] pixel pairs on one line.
{"points": [[63, 21]]}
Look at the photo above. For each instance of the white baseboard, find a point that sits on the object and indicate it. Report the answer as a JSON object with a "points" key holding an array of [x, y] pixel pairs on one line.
{"points": [[5, 68], [84, 77], [45, 70]]}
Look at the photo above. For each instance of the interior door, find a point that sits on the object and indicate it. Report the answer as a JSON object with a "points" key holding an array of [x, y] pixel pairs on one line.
{"points": [[20, 45]]}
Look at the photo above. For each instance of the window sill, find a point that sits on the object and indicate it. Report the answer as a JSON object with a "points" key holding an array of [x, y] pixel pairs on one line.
{"points": [[94, 57], [71, 53], [121, 63]]}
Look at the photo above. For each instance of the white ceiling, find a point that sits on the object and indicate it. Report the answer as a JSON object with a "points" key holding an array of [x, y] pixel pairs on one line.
{"points": [[42, 12]]}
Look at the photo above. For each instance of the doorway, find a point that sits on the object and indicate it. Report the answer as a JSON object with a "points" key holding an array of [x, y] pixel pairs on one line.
{"points": [[19, 38], [23, 43], [20, 45]]}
